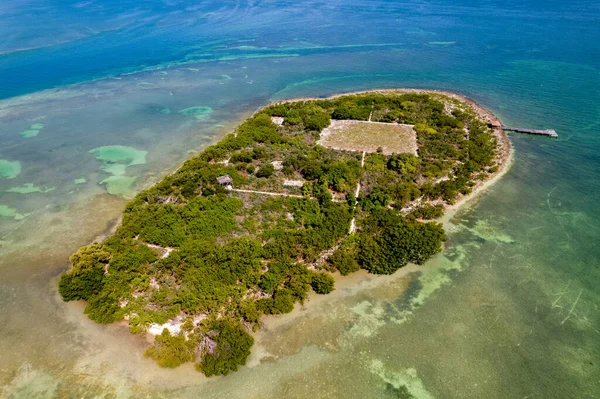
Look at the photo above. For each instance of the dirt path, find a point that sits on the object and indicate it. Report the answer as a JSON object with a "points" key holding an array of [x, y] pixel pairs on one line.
{"points": [[356, 193], [237, 190]]}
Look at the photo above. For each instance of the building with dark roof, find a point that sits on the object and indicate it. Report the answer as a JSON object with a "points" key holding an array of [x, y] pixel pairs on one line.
{"points": [[225, 180]]}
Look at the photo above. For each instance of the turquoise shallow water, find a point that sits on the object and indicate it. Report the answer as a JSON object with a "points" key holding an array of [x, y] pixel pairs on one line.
{"points": [[510, 309]]}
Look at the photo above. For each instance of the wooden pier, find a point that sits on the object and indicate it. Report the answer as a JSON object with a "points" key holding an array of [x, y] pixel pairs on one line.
{"points": [[545, 132]]}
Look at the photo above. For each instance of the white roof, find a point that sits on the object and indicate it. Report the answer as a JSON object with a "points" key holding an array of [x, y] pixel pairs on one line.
{"points": [[293, 183]]}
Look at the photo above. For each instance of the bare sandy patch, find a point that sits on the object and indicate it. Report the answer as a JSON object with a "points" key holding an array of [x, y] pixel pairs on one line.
{"points": [[369, 136]]}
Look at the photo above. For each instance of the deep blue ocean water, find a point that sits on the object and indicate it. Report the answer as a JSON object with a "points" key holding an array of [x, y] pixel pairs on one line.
{"points": [[509, 310]]}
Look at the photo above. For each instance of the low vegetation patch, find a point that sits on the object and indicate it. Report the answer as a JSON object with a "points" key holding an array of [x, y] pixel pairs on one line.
{"points": [[388, 138]]}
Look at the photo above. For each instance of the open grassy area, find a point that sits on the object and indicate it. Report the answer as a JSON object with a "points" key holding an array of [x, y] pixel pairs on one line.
{"points": [[368, 136]]}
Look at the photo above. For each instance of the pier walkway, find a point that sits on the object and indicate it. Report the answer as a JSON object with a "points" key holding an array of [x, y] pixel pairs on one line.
{"points": [[545, 132]]}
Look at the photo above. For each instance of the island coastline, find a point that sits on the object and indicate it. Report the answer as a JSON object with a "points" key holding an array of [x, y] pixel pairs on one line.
{"points": [[503, 147]]}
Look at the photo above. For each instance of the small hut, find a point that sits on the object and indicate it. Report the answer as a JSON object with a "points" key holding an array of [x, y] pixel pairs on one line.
{"points": [[225, 181], [495, 124]]}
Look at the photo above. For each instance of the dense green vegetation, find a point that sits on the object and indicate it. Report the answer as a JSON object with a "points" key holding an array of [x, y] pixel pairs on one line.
{"points": [[218, 260], [171, 351], [322, 283], [232, 348], [85, 277], [389, 241]]}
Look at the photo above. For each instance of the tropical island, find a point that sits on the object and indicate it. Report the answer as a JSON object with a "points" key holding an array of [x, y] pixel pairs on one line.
{"points": [[302, 190]]}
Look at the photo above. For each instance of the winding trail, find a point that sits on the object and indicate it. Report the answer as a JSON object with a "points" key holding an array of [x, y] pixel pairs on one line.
{"points": [[356, 193]]}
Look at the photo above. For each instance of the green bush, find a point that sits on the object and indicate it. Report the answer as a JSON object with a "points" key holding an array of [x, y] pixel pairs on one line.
{"points": [[313, 116], [344, 260], [428, 211], [292, 118], [317, 121], [321, 192], [266, 171], [249, 311], [170, 351], [378, 198], [322, 283], [84, 279], [350, 199], [405, 164], [243, 156], [232, 349], [104, 308]]}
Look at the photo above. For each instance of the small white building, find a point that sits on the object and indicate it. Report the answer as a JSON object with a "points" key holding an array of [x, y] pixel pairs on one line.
{"points": [[278, 120], [293, 183]]}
